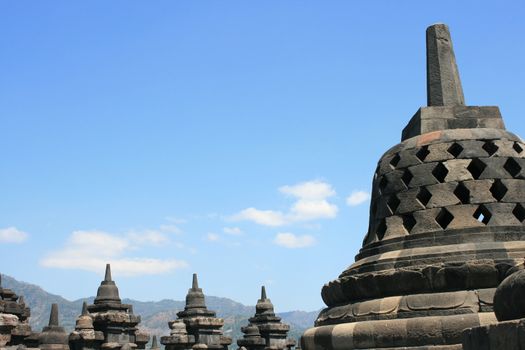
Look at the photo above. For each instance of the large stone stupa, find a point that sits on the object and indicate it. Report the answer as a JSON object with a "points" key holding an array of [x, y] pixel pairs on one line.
{"points": [[446, 225]]}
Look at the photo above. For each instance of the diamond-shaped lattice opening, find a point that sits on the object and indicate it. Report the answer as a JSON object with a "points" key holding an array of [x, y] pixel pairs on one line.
{"points": [[407, 176], [519, 212], [423, 195], [512, 167], [444, 218], [517, 147], [383, 183], [440, 172], [393, 203], [455, 149], [381, 229], [476, 168], [498, 190], [395, 160], [409, 222], [490, 147], [482, 214], [463, 193], [422, 153]]}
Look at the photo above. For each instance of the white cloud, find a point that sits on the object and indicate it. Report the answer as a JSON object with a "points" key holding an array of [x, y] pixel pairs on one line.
{"points": [[305, 210], [148, 237], [309, 190], [311, 204], [289, 240], [171, 229], [234, 231], [212, 237], [91, 250], [357, 197], [12, 235], [261, 217]]}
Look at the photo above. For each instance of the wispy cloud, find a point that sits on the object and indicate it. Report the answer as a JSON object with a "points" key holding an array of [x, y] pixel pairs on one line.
{"points": [[289, 240], [311, 203], [171, 229], [212, 237], [357, 197], [91, 250], [12, 235], [261, 217], [234, 231]]}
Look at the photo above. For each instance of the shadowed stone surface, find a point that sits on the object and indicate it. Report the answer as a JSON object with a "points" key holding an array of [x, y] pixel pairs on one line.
{"points": [[265, 330], [53, 337], [113, 319], [446, 225], [14, 318], [197, 327], [443, 83], [509, 307]]}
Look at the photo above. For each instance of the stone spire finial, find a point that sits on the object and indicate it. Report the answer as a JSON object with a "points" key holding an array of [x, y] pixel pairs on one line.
{"points": [[53, 337], [107, 291], [84, 309], [154, 344], [264, 305], [107, 276], [21, 300], [53, 316], [195, 282], [443, 83], [195, 296]]}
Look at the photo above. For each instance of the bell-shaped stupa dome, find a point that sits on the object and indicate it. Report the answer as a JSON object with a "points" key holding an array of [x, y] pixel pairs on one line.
{"points": [[446, 223]]}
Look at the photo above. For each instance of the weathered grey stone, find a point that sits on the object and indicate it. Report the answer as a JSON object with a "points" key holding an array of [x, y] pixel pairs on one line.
{"points": [[53, 337], [115, 320], [443, 83], [197, 327], [265, 329], [446, 227]]}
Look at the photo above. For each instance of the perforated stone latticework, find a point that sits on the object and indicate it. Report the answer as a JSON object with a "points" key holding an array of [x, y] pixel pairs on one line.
{"points": [[448, 185], [447, 225]]}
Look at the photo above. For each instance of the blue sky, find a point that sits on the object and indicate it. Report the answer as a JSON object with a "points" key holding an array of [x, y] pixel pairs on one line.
{"points": [[223, 138]]}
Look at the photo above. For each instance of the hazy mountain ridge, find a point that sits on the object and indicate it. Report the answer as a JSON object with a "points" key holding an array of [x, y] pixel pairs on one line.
{"points": [[155, 314]]}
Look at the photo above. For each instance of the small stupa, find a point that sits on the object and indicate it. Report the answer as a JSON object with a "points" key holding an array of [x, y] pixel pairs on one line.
{"points": [[265, 330], [201, 326], [115, 319], [53, 336], [84, 337]]}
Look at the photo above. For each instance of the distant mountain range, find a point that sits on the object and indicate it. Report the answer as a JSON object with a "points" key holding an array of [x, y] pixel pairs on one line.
{"points": [[155, 314]]}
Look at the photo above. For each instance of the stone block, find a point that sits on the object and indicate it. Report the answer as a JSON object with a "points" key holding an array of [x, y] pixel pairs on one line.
{"points": [[479, 191], [515, 190], [392, 182], [408, 158], [438, 152], [472, 149], [494, 169], [394, 227], [434, 118], [463, 216], [501, 214], [457, 170], [422, 175], [442, 195], [408, 201], [425, 221]]}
